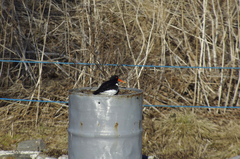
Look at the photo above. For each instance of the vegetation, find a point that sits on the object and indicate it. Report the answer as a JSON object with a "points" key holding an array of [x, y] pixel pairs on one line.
{"points": [[150, 32]]}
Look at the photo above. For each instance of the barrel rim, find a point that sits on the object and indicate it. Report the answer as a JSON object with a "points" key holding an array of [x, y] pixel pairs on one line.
{"points": [[77, 91]]}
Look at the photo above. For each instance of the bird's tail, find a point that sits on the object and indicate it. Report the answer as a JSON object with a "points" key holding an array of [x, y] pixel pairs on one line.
{"points": [[95, 92]]}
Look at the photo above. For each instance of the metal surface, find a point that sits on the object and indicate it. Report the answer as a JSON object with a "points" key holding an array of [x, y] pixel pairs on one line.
{"points": [[105, 127]]}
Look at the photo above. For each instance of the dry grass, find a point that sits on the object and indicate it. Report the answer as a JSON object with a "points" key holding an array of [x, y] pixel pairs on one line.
{"points": [[190, 135], [177, 33]]}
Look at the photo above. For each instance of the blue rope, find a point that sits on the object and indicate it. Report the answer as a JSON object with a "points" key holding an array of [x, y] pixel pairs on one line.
{"points": [[186, 106], [172, 106], [79, 63], [27, 100], [72, 63]]}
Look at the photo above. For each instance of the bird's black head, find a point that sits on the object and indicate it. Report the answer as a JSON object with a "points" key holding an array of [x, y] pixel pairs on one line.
{"points": [[115, 77]]}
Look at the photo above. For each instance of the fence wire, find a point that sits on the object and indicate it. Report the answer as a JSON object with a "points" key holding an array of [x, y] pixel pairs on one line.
{"points": [[155, 66]]}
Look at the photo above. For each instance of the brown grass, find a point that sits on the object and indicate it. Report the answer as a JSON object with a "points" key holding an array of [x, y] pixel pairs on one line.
{"points": [[176, 33]]}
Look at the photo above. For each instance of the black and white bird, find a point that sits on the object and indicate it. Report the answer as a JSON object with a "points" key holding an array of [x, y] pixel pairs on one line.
{"points": [[109, 87]]}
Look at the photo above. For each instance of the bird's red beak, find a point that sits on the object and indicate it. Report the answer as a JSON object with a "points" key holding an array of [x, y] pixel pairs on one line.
{"points": [[121, 81]]}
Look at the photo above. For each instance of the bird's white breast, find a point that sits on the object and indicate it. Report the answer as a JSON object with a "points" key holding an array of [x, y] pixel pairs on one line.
{"points": [[109, 92]]}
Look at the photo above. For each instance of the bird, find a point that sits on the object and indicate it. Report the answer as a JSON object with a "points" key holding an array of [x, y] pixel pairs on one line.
{"points": [[109, 87]]}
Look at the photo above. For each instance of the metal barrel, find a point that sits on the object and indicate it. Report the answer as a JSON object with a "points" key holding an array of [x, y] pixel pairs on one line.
{"points": [[105, 127]]}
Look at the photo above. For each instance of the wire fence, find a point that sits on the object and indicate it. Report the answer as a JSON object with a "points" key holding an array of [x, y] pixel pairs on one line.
{"points": [[154, 66], [79, 63]]}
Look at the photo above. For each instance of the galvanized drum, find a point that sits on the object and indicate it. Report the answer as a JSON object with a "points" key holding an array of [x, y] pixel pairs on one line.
{"points": [[105, 127]]}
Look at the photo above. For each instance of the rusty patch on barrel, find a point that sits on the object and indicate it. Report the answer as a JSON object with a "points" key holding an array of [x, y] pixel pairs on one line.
{"points": [[116, 126], [81, 125]]}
